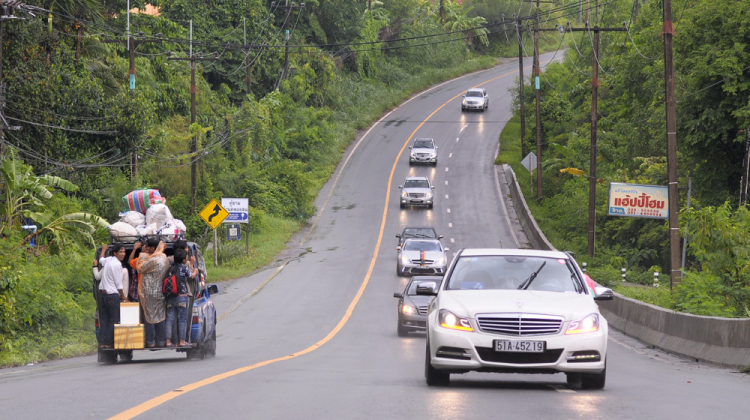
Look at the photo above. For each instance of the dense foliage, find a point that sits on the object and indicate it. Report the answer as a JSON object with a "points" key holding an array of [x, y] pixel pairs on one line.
{"points": [[713, 92], [276, 143]]}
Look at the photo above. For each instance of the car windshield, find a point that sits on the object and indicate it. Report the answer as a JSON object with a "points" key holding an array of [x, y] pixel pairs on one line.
{"points": [[512, 273], [474, 93], [416, 183], [423, 144], [421, 246], [419, 233]]}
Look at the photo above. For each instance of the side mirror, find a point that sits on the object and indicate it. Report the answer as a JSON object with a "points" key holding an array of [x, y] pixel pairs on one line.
{"points": [[213, 289], [463, 96], [440, 236], [436, 147], [433, 187], [401, 187], [398, 248], [398, 295], [410, 147], [398, 235], [603, 293], [447, 249], [428, 288]]}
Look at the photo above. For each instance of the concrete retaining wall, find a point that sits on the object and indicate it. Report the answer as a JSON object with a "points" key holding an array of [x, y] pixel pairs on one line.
{"points": [[722, 341]]}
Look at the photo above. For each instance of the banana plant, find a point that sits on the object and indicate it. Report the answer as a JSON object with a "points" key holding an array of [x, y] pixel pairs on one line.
{"points": [[23, 194]]}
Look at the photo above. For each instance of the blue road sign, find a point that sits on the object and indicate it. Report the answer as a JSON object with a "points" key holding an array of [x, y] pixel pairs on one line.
{"points": [[236, 217]]}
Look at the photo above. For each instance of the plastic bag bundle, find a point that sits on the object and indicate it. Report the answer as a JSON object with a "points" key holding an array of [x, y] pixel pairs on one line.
{"points": [[158, 214], [123, 232], [180, 225], [142, 200], [133, 218], [144, 230], [169, 232]]}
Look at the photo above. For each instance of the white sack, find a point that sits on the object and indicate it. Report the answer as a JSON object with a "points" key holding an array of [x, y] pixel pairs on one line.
{"points": [[180, 225], [133, 218], [158, 214], [144, 230], [123, 232], [169, 232]]}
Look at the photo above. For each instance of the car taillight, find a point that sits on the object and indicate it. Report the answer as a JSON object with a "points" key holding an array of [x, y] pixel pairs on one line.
{"points": [[196, 320]]}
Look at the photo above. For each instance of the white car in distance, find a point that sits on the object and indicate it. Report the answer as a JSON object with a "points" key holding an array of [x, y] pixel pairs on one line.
{"points": [[515, 311]]}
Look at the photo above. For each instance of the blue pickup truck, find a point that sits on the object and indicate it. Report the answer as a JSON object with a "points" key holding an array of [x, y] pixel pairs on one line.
{"points": [[201, 313]]}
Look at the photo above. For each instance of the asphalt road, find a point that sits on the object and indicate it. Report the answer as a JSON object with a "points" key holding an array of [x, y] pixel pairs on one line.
{"points": [[314, 335]]}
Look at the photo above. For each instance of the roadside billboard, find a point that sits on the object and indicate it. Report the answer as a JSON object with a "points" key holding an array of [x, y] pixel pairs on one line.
{"points": [[635, 200]]}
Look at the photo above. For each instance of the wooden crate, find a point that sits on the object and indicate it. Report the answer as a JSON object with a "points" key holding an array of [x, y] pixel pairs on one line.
{"points": [[128, 337]]}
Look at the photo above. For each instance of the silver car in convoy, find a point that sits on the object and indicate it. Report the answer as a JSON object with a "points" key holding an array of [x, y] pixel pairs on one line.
{"points": [[515, 311], [421, 257], [475, 98], [412, 309], [423, 151], [416, 191]]}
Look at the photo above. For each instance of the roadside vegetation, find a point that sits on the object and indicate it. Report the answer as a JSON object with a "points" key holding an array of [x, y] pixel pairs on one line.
{"points": [[276, 145], [713, 118]]}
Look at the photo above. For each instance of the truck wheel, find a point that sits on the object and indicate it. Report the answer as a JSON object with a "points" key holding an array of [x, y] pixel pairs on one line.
{"points": [[107, 357], [125, 356], [211, 345]]}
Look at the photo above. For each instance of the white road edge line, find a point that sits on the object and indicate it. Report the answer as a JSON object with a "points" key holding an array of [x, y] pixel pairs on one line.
{"points": [[450, 155]]}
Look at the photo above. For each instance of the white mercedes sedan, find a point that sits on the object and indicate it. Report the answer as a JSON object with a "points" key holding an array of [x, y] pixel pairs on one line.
{"points": [[515, 311]]}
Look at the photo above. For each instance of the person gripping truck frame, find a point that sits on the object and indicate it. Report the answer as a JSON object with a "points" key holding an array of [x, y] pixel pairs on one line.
{"points": [[200, 316]]}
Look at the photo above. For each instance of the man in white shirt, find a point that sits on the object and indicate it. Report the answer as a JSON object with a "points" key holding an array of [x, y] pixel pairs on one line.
{"points": [[111, 294]]}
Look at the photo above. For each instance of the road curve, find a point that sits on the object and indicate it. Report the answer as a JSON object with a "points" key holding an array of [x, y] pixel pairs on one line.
{"points": [[314, 336]]}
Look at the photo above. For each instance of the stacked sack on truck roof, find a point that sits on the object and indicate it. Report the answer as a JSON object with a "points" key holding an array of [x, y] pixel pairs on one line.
{"points": [[146, 214]]}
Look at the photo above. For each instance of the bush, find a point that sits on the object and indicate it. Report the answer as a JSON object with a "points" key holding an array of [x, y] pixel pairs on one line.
{"points": [[704, 294]]}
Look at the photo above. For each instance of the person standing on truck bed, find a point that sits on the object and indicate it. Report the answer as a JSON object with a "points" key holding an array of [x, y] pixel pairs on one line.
{"points": [[111, 294], [153, 265], [135, 277], [177, 305]]}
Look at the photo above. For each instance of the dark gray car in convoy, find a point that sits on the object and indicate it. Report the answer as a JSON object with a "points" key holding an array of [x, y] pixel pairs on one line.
{"points": [[417, 232], [412, 308]]}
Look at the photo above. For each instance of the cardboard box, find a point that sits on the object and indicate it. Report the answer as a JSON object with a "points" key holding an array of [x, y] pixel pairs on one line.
{"points": [[128, 337], [130, 313]]}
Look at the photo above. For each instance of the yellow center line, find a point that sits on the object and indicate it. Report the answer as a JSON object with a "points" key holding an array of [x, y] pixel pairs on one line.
{"points": [[161, 399]]}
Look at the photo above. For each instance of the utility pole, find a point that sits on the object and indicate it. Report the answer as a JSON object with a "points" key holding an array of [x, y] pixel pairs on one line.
{"points": [[594, 128], [592, 150], [674, 226], [194, 140], [745, 169], [580, 10], [131, 45], [248, 76], [537, 72], [442, 12], [519, 31], [4, 9], [288, 9]]}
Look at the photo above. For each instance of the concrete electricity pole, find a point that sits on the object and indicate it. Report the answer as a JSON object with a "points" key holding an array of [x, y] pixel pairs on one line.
{"points": [[674, 226], [6, 13], [194, 140], [519, 31], [537, 72]]}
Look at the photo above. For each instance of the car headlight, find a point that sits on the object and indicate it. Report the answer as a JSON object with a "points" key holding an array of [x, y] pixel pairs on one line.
{"points": [[464, 102], [586, 325], [405, 259], [441, 260], [408, 309], [404, 194], [428, 195], [448, 319], [412, 154]]}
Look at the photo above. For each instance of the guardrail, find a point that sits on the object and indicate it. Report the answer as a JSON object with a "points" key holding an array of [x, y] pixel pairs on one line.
{"points": [[721, 341]]}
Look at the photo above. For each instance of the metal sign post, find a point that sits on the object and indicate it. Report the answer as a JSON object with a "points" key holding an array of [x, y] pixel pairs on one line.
{"points": [[213, 214]]}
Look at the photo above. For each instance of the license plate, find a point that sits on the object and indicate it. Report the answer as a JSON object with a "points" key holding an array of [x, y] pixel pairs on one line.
{"points": [[416, 201], [519, 346]]}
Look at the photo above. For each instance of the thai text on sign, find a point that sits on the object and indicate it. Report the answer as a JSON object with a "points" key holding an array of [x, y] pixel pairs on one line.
{"points": [[635, 200]]}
